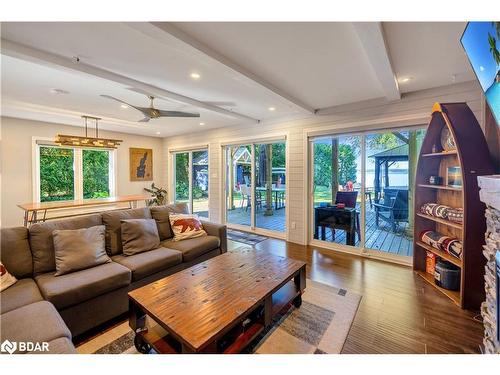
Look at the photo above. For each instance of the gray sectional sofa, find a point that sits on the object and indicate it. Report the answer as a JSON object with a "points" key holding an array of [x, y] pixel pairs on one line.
{"points": [[45, 307]]}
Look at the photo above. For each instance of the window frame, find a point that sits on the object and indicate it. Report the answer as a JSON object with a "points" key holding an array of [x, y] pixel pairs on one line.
{"points": [[38, 142]]}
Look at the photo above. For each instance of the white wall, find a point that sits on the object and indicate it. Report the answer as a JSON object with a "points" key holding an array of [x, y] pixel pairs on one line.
{"points": [[16, 162], [413, 109]]}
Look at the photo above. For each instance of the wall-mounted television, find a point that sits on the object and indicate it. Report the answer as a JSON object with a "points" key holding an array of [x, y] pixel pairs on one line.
{"points": [[481, 41]]}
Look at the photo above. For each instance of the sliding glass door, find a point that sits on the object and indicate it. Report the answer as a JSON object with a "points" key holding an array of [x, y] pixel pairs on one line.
{"points": [[238, 185], [389, 174], [362, 190], [190, 182], [336, 189], [256, 186]]}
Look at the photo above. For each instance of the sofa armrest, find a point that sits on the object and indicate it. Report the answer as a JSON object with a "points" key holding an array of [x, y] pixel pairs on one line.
{"points": [[217, 230]]}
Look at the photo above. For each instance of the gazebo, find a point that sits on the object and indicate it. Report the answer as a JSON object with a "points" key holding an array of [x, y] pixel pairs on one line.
{"points": [[384, 160]]}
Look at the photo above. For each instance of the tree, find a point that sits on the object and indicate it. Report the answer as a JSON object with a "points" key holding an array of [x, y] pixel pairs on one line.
{"points": [[56, 174], [182, 175], [347, 164], [95, 174]]}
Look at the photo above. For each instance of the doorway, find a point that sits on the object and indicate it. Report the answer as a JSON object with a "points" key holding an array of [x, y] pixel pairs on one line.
{"points": [[361, 192], [255, 187]]}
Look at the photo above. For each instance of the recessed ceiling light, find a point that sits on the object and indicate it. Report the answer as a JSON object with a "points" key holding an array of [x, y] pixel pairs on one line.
{"points": [[405, 79], [158, 133], [123, 105], [58, 92], [272, 109], [202, 123], [195, 76]]}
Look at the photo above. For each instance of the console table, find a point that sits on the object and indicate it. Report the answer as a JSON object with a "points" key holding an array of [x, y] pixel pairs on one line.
{"points": [[37, 211]]}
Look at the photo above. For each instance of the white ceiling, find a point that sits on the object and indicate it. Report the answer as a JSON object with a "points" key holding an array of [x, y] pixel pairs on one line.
{"points": [[293, 67], [430, 52]]}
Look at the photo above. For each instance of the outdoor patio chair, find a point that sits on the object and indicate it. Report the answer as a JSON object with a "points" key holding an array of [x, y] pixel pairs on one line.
{"points": [[393, 209], [246, 197], [349, 199]]}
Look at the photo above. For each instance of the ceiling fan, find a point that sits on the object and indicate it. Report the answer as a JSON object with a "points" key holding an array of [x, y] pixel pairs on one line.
{"points": [[151, 112]]}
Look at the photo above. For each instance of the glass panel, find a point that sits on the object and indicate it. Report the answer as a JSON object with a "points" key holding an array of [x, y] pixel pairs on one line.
{"points": [[56, 174], [200, 183], [238, 179], [182, 177], [270, 186], [391, 159], [337, 189], [95, 174]]}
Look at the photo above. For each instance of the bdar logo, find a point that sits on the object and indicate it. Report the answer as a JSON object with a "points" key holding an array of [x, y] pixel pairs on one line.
{"points": [[9, 347]]}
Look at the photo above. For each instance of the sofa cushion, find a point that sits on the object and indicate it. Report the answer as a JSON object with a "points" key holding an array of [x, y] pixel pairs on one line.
{"points": [[20, 294], [139, 235], [112, 221], [150, 262], [37, 322], [161, 216], [42, 241], [79, 249], [193, 247], [76, 287], [16, 254]]}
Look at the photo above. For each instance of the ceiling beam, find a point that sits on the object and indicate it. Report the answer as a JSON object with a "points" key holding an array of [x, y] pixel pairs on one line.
{"points": [[371, 35], [28, 53], [170, 29]]}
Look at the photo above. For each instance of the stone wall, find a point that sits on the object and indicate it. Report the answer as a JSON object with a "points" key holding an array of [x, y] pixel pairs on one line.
{"points": [[490, 194]]}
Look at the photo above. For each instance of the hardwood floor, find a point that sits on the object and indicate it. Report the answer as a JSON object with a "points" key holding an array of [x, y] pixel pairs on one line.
{"points": [[399, 311]]}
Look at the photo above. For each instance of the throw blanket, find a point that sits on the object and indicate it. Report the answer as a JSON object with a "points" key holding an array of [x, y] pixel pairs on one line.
{"points": [[441, 242], [443, 212]]}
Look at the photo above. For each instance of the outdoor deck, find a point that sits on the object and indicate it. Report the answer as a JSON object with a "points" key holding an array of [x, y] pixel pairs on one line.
{"points": [[380, 238]]}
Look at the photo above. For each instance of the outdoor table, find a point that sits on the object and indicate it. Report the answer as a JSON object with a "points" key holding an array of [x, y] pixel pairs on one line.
{"points": [[335, 218], [276, 191]]}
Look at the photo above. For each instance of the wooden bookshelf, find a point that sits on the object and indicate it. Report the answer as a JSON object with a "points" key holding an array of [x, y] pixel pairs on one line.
{"points": [[440, 154], [441, 221], [440, 187], [450, 258], [472, 157], [451, 294]]}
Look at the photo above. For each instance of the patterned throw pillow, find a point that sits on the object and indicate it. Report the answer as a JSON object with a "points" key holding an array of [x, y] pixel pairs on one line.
{"points": [[186, 226], [6, 279]]}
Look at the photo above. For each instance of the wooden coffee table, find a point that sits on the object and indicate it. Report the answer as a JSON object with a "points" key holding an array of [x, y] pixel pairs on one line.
{"points": [[217, 306]]}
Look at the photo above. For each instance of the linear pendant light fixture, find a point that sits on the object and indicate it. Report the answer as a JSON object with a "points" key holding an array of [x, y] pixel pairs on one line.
{"points": [[75, 140]]}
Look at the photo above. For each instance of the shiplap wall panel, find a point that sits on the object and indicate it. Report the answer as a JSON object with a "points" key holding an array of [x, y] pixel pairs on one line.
{"points": [[343, 118]]}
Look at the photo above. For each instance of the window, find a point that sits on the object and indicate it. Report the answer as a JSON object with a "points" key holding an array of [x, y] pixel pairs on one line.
{"points": [[95, 174], [57, 177], [65, 173], [191, 180]]}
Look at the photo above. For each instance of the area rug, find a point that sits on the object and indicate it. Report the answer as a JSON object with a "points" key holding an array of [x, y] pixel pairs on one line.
{"points": [[319, 326], [244, 237]]}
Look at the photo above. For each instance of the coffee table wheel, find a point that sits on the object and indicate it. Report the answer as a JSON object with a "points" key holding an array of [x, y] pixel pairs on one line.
{"points": [[141, 345], [297, 301]]}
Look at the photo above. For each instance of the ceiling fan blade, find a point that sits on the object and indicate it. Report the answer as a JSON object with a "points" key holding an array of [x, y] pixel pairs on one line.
{"points": [[118, 100], [177, 114]]}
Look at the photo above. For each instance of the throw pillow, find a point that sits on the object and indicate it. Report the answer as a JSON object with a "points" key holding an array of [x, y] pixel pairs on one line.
{"points": [[6, 279], [139, 235], [161, 213], [79, 249], [186, 226]]}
